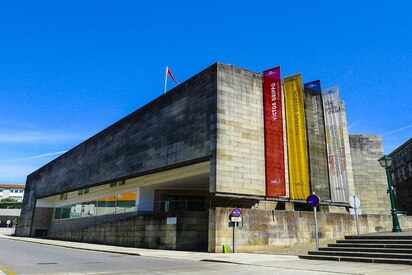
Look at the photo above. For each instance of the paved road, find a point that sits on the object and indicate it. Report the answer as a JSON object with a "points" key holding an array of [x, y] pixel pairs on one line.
{"points": [[29, 258], [42, 256]]}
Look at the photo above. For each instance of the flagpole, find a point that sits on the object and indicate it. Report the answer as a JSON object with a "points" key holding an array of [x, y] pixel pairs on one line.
{"points": [[165, 80]]}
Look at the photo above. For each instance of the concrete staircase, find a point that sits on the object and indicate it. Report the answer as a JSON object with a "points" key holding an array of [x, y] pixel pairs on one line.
{"points": [[389, 248]]}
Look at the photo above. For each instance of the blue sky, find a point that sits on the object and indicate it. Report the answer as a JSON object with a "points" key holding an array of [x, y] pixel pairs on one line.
{"points": [[68, 69]]}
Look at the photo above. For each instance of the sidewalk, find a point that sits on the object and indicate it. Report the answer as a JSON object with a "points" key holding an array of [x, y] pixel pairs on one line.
{"points": [[287, 262]]}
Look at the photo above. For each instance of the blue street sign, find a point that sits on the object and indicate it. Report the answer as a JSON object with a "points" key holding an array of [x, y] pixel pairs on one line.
{"points": [[236, 212], [313, 200]]}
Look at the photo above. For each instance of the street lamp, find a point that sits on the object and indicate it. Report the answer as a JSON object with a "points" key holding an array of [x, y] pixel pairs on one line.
{"points": [[386, 162]]}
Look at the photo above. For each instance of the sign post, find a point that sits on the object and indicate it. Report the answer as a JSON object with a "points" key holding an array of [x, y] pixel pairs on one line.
{"points": [[313, 201], [235, 217], [355, 203]]}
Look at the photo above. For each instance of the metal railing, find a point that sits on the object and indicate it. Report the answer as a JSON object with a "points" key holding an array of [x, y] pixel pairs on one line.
{"points": [[165, 206]]}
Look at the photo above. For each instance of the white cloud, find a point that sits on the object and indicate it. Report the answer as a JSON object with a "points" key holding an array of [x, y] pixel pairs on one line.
{"points": [[398, 130], [43, 155], [352, 126], [36, 137]]}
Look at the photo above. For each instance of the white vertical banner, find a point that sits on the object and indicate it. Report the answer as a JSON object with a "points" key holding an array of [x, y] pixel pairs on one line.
{"points": [[335, 145]]}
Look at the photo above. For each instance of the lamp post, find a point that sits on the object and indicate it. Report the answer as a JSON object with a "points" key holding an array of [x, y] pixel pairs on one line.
{"points": [[386, 162]]}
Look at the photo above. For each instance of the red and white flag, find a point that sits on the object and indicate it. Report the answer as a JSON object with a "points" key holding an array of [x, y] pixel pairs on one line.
{"points": [[169, 73]]}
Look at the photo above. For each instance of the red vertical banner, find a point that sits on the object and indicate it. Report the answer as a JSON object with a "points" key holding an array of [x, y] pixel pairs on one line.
{"points": [[274, 144]]}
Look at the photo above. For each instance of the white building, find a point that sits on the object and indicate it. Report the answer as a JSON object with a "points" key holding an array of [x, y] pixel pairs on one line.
{"points": [[14, 191]]}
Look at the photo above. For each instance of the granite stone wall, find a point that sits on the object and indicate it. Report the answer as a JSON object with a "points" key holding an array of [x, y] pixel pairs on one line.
{"points": [[273, 230], [146, 231], [348, 156], [61, 225], [369, 176], [240, 167]]}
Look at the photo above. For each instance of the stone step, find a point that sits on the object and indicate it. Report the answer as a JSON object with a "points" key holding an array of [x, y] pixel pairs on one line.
{"points": [[368, 249], [361, 254], [371, 245], [395, 236], [356, 259], [376, 241]]}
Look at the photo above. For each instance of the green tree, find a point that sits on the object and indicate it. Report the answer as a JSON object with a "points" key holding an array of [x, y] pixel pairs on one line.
{"points": [[8, 200], [10, 203]]}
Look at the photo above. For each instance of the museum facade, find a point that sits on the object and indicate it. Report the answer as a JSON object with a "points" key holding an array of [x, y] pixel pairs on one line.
{"points": [[168, 174]]}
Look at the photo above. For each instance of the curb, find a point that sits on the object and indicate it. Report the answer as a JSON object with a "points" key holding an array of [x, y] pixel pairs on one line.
{"points": [[73, 247]]}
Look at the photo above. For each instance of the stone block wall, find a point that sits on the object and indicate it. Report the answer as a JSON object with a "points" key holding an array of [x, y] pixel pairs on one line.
{"points": [[60, 225], [271, 230], [146, 231], [42, 220], [369, 177], [348, 154], [240, 167]]}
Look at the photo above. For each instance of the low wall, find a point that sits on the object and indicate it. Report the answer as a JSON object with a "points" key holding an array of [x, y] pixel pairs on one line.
{"points": [[274, 230], [146, 231], [8, 215], [84, 222], [7, 231]]}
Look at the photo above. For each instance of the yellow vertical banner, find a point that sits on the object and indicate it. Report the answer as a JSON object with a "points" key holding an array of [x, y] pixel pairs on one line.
{"points": [[296, 138]]}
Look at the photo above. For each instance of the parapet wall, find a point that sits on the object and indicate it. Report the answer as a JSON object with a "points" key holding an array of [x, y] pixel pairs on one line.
{"points": [[146, 231], [277, 230]]}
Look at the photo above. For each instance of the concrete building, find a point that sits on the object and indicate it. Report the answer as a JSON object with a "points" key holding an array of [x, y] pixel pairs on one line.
{"points": [[168, 175], [8, 216], [369, 176], [14, 191], [401, 173]]}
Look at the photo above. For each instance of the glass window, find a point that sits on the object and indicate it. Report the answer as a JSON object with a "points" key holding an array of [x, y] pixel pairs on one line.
{"points": [[57, 213], [126, 202], [182, 203], [106, 205], [83, 191], [76, 210], [66, 211], [88, 208]]}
